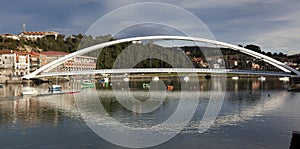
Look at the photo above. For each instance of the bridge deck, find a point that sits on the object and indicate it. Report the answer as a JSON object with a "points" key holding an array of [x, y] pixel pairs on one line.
{"points": [[165, 70]]}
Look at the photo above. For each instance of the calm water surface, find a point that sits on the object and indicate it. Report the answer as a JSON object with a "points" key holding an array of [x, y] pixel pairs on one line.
{"points": [[254, 114]]}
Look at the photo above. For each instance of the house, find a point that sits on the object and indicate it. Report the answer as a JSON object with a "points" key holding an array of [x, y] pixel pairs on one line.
{"points": [[37, 60], [21, 64], [7, 59], [10, 36], [35, 35], [14, 63]]}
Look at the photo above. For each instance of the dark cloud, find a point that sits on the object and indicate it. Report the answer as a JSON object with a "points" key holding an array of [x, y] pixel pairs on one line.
{"points": [[234, 21], [148, 29]]}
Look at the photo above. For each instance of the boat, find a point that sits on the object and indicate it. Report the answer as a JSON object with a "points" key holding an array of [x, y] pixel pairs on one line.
{"points": [[87, 84], [235, 78], [170, 87], [186, 78], [156, 78], [54, 88], [285, 79], [146, 85]]}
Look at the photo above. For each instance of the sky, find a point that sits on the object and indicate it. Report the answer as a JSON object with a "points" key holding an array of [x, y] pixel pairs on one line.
{"points": [[274, 25]]}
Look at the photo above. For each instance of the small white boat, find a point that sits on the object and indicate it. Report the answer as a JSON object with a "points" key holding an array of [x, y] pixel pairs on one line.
{"points": [[285, 79], [54, 88], [262, 78], [186, 78], [126, 79], [87, 84], [235, 78], [156, 78]]}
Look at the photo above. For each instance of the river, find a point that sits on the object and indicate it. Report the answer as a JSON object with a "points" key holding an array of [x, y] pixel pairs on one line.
{"points": [[254, 114]]}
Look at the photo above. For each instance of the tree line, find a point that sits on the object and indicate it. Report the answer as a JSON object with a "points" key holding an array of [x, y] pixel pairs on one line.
{"points": [[108, 56], [51, 43]]}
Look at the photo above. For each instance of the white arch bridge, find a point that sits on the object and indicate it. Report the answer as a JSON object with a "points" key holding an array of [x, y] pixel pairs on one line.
{"points": [[46, 70]]}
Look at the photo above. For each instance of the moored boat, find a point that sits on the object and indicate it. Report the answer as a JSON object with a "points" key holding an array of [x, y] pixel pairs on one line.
{"points": [[54, 88], [87, 84]]}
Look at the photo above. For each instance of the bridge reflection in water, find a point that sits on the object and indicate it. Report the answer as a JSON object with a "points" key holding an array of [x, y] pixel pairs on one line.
{"points": [[32, 110], [248, 103]]}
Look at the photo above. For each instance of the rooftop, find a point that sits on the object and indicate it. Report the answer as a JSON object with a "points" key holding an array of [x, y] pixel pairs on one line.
{"points": [[54, 53], [39, 33]]}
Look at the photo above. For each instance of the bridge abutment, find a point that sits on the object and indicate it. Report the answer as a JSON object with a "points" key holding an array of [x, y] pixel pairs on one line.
{"points": [[294, 83]]}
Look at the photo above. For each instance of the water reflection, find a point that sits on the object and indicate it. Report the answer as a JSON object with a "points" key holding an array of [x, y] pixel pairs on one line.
{"points": [[32, 111], [37, 109], [245, 100]]}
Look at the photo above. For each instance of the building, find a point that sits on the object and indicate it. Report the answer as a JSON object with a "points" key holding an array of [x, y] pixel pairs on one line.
{"points": [[7, 59], [36, 35], [37, 60], [21, 64], [17, 63], [10, 36], [81, 63], [53, 55], [75, 64], [14, 63]]}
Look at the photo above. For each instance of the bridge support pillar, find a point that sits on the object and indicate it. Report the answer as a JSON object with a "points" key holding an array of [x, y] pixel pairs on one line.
{"points": [[295, 83]]}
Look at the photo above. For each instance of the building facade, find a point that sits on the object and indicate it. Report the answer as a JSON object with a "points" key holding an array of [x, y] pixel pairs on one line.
{"points": [[17, 63], [78, 63], [10, 36], [35, 35], [14, 63]]}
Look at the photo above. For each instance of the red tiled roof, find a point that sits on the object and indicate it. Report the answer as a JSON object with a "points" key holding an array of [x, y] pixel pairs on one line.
{"points": [[6, 51], [38, 33], [54, 53], [34, 53], [19, 52]]}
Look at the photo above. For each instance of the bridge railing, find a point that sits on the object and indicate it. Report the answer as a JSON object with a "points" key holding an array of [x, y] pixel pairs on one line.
{"points": [[165, 70]]}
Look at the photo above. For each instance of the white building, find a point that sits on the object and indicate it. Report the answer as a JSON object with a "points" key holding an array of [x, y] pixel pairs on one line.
{"points": [[10, 36], [7, 62], [36, 35], [22, 64], [13, 63]]}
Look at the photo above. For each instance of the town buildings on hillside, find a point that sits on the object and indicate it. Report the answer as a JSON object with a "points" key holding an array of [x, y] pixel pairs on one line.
{"points": [[30, 35], [15, 64]]}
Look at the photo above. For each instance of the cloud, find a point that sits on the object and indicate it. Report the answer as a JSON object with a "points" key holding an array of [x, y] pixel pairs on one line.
{"points": [[273, 24], [199, 4]]}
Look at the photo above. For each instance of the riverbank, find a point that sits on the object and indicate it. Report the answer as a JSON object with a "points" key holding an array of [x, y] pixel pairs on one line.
{"points": [[16, 82]]}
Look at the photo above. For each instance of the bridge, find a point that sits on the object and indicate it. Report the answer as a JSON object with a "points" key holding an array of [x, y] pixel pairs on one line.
{"points": [[46, 70], [166, 70]]}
